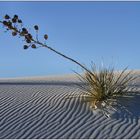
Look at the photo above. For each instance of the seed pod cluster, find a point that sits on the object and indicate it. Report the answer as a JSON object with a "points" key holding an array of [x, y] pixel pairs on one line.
{"points": [[14, 24], [8, 22]]}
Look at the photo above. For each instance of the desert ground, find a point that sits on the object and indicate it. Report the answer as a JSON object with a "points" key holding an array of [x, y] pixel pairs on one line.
{"points": [[38, 108]]}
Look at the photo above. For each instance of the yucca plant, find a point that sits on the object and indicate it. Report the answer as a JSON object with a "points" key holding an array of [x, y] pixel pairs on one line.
{"points": [[103, 86]]}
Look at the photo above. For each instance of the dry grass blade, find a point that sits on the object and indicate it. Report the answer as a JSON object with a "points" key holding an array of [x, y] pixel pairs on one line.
{"points": [[102, 87]]}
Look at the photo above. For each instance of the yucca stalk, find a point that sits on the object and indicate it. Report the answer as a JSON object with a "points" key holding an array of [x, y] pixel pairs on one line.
{"points": [[15, 25]]}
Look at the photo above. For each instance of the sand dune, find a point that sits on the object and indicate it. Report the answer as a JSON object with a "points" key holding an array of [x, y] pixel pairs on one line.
{"points": [[38, 108]]}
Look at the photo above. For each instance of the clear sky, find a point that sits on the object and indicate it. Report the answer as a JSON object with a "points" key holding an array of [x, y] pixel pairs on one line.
{"points": [[107, 32]]}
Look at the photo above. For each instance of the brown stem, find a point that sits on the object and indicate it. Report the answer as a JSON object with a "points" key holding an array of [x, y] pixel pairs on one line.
{"points": [[57, 52], [43, 45]]}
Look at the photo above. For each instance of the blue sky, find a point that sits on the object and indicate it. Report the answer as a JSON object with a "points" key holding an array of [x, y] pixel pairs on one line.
{"points": [[107, 32]]}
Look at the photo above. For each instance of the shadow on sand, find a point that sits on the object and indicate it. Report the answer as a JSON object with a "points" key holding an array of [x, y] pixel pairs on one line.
{"points": [[128, 107], [53, 83]]}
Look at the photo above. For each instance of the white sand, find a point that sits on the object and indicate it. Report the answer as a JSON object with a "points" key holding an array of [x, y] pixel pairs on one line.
{"points": [[36, 108]]}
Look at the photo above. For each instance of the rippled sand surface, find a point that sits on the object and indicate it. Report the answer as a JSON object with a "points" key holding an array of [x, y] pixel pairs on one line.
{"points": [[38, 108]]}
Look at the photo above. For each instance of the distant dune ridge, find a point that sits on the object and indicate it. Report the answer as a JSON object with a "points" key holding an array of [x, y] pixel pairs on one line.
{"points": [[36, 107]]}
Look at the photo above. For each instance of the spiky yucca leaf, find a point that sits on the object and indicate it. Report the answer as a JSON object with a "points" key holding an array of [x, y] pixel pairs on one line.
{"points": [[102, 87]]}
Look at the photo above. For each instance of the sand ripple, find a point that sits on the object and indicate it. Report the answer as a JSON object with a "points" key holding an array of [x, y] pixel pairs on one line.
{"points": [[39, 109]]}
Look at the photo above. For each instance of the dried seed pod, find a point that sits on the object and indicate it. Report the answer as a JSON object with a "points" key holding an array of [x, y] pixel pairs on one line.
{"points": [[29, 36], [9, 23], [26, 36], [14, 33], [36, 27], [45, 36], [33, 46], [19, 21], [21, 33], [25, 47], [5, 23], [24, 30], [6, 16], [14, 20], [16, 16], [28, 40]]}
